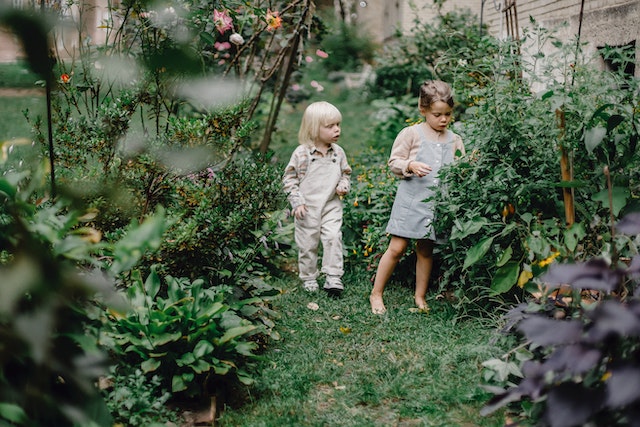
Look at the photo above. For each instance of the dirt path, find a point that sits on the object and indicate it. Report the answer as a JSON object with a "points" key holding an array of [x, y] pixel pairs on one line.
{"points": [[7, 92]]}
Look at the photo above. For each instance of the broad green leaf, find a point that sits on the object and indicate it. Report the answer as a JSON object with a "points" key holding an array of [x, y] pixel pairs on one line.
{"points": [[152, 284], [478, 250], [235, 332], [13, 413], [150, 365], [593, 137], [246, 348], [573, 235], [201, 366], [505, 277], [177, 384], [186, 359], [619, 197], [203, 348], [158, 340], [462, 230], [505, 256], [7, 188]]}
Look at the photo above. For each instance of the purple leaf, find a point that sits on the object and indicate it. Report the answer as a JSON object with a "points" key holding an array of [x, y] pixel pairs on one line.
{"points": [[613, 318], [571, 405], [630, 224], [545, 331], [573, 359], [623, 387], [594, 274]]}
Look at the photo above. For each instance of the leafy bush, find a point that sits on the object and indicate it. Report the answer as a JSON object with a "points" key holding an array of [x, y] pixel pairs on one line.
{"points": [[503, 205], [133, 399], [576, 362], [183, 332], [348, 50], [367, 207], [48, 366], [449, 48]]}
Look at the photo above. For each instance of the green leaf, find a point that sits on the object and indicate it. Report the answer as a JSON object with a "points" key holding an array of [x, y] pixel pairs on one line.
{"points": [[150, 365], [573, 235], [201, 366], [139, 238], [462, 230], [478, 251], [235, 332], [186, 359], [7, 188], [162, 339], [593, 137], [619, 196], [178, 384], [152, 284], [13, 413], [506, 256], [203, 348], [505, 277]]}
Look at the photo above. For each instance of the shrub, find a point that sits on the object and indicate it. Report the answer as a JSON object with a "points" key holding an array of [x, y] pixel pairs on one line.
{"points": [[576, 361], [503, 204], [183, 332]]}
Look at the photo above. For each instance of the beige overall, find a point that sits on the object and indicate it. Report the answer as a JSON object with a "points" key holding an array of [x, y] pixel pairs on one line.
{"points": [[323, 220]]}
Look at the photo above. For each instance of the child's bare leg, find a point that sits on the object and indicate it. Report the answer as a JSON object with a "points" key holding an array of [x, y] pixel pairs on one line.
{"points": [[424, 263], [387, 264]]}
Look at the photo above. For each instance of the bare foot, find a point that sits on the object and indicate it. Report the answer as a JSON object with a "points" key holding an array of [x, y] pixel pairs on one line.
{"points": [[377, 306], [422, 305]]}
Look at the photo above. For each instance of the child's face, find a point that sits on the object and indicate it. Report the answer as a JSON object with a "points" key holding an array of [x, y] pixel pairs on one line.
{"points": [[438, 115], [329, 132]]}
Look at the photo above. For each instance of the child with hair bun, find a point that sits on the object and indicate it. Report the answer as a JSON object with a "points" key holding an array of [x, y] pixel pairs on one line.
{"points": [[418, 152]]}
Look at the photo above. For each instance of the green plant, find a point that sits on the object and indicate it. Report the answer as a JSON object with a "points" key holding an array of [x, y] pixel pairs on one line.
{"points": [[503, 205], [135, 400], [181, 331], [449, 48], [48, 365], [347, 49], [367, 207]]}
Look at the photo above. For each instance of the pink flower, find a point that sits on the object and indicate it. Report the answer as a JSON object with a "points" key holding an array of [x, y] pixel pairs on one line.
{"points": [[220, 46], [322, 53], [317, 86], [273, 20], [222, 21], [308, 59], [295, 87]]}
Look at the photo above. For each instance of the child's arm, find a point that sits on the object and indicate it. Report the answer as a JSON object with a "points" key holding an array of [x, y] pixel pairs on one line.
{"points": [[291, 179], [344, 184], [401, 155]]}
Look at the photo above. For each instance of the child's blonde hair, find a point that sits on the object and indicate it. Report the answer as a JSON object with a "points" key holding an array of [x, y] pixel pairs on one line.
{"points": [[433, 91], [317, 114]]}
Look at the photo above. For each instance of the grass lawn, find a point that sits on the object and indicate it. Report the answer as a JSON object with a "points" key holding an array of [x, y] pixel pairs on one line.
{"points": [[13, 123], [341, 365]]}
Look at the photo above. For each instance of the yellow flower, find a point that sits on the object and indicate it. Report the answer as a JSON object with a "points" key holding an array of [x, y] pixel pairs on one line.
{"points": [[548, 260]]}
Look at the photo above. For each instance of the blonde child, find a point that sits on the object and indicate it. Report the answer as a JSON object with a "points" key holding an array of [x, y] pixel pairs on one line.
{"points": [[315, 179], [417, 154]]}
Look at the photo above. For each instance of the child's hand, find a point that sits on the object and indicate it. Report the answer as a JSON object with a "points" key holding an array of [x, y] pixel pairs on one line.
{"points": [[341, 190], [419, 168], [300, 211]]}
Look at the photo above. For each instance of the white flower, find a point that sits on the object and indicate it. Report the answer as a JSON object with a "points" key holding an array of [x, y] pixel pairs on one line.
{"points": [[236, 39]]}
